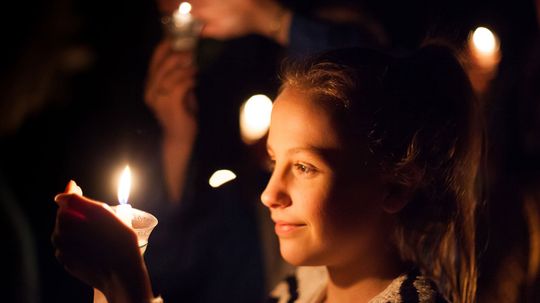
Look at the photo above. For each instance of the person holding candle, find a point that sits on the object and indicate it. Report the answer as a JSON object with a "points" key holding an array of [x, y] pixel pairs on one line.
{"points": [[331, 26], [372, 189]]}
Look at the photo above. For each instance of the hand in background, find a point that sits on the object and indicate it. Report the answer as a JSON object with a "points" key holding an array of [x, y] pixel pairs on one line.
{"points": [[169, 92], [227, 19]]}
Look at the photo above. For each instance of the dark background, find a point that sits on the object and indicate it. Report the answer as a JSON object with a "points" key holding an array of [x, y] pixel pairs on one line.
{"points": [[71, 85]]}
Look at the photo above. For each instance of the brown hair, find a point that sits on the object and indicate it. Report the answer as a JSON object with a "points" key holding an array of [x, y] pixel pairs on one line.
{"points": [[419, 118]]}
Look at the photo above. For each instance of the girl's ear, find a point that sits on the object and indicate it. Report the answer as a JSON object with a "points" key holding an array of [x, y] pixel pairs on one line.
{"points": [[401, 187], [396, 198]]}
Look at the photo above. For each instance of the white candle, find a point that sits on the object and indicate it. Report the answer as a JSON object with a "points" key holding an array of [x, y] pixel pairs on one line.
{"points": [[182, 28], [182, 16], [124, 211]]}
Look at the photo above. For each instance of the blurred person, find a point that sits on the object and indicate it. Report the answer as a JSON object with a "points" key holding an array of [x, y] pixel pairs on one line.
{"points": [[329, 26], [382, 200], [509, 251], [325, 26]]}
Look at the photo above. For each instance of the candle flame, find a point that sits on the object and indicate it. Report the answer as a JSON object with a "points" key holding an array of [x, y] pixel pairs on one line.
{"points": [[485, 41], [255, 118], [124, 186], [221, 177], [184, 8]]}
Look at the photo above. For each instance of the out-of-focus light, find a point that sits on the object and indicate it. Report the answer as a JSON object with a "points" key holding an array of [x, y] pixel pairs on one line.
{"points": [[221, 177], [255, 118], [184, 8], [484, 57], [485, 41]]}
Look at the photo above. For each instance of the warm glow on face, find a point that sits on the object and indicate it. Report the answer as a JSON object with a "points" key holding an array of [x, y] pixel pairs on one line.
{"points": [[221, 177], [124, 186], [485, 41], [255, 118], [184, 8]]}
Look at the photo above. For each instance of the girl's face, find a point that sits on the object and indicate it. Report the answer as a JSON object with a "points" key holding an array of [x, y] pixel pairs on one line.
{"points": [[325, 204]]}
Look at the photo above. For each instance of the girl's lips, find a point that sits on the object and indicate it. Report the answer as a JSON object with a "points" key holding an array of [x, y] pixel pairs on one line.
{"points": [[283, 228]]}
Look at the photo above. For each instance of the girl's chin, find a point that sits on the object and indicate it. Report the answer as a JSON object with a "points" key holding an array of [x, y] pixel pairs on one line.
{"points": [[298, 255]]}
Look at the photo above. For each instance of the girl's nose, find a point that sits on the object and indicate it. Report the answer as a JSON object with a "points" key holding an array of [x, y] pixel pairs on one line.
{"points": [[275, 195]]}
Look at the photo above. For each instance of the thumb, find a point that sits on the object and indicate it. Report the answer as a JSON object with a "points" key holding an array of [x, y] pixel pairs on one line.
{"points": [[73, 188], [72, 198]]}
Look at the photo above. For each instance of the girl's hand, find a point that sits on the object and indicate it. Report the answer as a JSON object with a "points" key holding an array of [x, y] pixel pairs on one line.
{"points": [[96, 247]]}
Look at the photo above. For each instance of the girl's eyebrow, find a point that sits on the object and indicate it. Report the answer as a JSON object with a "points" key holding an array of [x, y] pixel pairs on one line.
{"points": [[329, 155], [309, 149], [295, 150]]}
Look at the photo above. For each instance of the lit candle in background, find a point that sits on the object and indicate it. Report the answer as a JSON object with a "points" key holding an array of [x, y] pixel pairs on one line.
{"points": [[485, 47], [255, 118], [183, 28], [221, 177], [484, 56], [124, 211], [182, 16]]}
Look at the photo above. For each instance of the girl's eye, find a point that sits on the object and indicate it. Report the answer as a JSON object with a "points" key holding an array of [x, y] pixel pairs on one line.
{"points": [[304, 169]]}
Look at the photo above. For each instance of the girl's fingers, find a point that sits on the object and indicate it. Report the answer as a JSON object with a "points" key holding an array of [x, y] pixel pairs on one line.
{"points": [[84, 206]]}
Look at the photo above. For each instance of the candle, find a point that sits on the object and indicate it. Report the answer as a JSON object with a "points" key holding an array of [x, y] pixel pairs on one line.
{"points": [[140, 221], [182, 16], [485, 55], [183, 28], [124, 211], [255, 118], [485, 47], [221, 177]]}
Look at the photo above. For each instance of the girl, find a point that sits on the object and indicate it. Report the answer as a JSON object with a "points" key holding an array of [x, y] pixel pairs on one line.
{"points": [[374, 166]]}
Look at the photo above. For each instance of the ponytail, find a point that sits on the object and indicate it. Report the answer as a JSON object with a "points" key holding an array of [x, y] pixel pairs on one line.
{"points": [[433, 142]]}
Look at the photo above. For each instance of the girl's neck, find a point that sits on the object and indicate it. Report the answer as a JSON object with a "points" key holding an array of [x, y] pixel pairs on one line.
{"points": [[360, 281]]}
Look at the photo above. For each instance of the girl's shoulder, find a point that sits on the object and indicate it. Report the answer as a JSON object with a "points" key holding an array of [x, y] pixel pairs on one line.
{"points": [[308, 284], [410, 287]]}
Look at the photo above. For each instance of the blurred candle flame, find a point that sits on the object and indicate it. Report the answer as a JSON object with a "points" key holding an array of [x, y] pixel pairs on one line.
{"points": [[221, 177], [184, 8], [485, 41], [124, 186], [485, 55], [255, 118]]}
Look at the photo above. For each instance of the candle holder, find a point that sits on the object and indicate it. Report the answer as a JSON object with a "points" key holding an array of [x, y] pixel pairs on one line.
{"points": [[143, 224], [183, 30]]}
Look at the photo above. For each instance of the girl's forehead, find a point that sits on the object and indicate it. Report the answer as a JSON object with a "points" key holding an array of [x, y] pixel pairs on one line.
{"points": [[297, 119], [297, 113]]}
